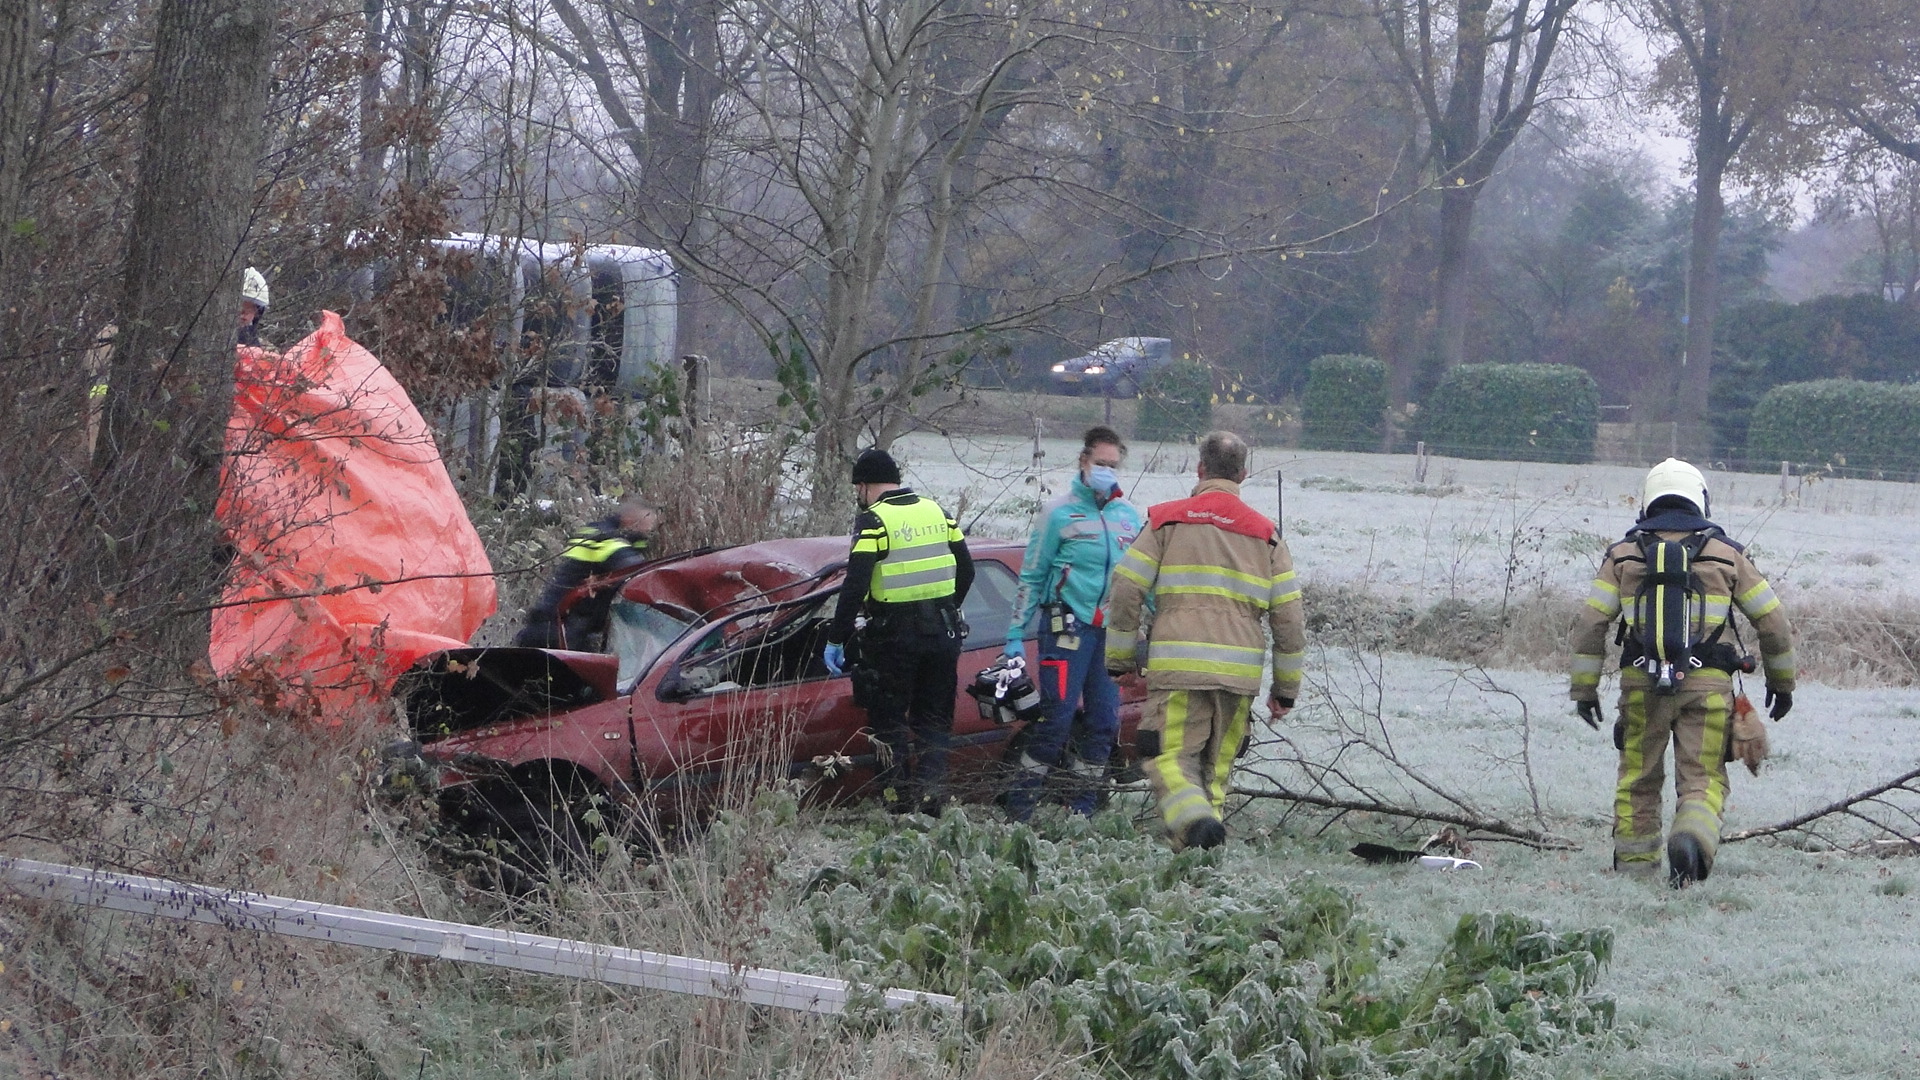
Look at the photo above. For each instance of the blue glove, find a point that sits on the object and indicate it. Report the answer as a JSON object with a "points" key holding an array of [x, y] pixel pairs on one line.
{"points": [[836, 658], [1016, 647]]}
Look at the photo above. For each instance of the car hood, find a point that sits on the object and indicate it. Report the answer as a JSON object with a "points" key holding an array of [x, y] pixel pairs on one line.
{"points": [[462, 689]]}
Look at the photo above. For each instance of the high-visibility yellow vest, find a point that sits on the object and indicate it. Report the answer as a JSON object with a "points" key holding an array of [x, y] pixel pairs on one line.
{"points": [[597, 547], [916, 561]]}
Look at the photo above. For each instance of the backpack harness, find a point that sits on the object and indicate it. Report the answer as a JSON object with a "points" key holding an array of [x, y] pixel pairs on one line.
{"points": [[1662, 613]]}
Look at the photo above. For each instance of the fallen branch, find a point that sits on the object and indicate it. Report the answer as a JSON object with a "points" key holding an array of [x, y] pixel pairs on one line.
{"points": [[1844, 806], [1472, 823]]}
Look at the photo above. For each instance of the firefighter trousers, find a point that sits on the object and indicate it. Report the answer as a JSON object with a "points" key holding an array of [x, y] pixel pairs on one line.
{"points": [[1200, 731], [1695, 721]]}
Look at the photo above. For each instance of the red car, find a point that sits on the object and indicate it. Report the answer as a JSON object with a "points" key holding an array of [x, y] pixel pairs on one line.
{"points": [[713, 675]]}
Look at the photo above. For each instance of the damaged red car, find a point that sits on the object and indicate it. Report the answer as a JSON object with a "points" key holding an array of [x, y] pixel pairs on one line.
{"points": [[712, 676]]}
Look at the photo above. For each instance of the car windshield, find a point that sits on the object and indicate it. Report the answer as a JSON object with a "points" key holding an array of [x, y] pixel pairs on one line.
{"points": [[638, 633]]}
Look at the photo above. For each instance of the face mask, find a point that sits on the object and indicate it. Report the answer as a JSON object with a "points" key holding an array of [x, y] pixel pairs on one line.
{"points": [[1102, 480]]}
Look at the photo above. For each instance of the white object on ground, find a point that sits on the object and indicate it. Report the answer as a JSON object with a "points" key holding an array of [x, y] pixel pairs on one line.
{"points": [[1447, 862]]}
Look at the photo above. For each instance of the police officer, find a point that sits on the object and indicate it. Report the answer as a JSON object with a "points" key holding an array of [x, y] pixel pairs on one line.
{"points": [[595, 552], [908, 573], [1221, 582], [1078, 539], [1675, 581]]}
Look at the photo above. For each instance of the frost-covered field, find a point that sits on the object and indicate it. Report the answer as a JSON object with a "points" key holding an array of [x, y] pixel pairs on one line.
{"points": [[1363, 517], [1787, 963]]}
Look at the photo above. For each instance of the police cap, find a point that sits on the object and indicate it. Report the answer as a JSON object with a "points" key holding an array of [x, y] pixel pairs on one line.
{"points": [[875, 466]]}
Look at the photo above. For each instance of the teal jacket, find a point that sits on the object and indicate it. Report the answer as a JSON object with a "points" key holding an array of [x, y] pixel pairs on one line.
{"points": [[1076, 543]]}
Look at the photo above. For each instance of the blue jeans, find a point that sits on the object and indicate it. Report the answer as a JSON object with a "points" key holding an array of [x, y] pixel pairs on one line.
{"points": [[1082, 714]]}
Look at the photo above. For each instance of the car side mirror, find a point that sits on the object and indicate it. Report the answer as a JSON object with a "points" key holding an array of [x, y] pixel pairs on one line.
{"points": [[684, 682]]}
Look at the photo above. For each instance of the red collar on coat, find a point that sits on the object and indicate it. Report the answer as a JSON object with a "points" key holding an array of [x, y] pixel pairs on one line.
{"points": [[1220, 509]]}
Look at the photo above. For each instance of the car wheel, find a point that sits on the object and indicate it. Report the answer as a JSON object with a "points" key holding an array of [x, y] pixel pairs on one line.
{"points": [[537, 827]]}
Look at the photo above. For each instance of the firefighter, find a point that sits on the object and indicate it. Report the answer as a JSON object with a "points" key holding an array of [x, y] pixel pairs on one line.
{"points": [[1220, 580], [253, 305], [908, 573], [1078, 539], [99, 358], [595, 552], [1680, 648]]}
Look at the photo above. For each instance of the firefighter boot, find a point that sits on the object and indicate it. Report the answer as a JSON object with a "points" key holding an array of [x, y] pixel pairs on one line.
{"points": [[1205, 833], [1686, 861]]}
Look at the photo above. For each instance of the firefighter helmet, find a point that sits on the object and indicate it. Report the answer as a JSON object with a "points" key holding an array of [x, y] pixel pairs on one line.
{"points": [[1678, 479], [253, 286]]}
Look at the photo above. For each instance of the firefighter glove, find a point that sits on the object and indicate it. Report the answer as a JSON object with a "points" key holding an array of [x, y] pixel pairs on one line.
{"points": [[836, 658], [1779, 703], [1590, 712]]}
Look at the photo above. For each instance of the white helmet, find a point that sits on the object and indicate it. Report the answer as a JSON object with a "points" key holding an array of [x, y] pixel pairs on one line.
{"points": [[253, 286], [1675, 477]]}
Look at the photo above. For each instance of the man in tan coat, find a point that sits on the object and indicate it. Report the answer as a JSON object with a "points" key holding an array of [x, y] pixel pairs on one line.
{"points": [[1221, 580], [1675, 581]]}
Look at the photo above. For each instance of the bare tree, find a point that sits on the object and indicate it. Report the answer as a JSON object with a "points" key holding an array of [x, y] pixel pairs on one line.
{"points": [[1472, 114], [667, 54], [1868, 77], [1735, 69], [157, 466], [874, 189]]}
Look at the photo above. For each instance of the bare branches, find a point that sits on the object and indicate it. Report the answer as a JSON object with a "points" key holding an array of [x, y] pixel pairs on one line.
{"points": [[1478, 824], [1905, 823], [1339, 755]]}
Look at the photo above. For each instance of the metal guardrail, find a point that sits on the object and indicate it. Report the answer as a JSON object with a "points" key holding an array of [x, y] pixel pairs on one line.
{"points": [[539, 953]]}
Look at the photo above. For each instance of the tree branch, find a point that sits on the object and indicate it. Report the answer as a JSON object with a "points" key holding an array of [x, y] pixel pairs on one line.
{"points": [[1844, 806], [1472, 822]]}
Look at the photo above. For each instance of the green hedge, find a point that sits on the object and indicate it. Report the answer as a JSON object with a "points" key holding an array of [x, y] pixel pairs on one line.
{"points": [[1176, 403], [1860, 425], [1345, 404], [1513, 412]]}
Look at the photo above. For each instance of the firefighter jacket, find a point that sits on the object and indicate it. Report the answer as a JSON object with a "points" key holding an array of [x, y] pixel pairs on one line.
{"points": [[1726, 579], [1077, 542], [906, 551], [1221, 580]]}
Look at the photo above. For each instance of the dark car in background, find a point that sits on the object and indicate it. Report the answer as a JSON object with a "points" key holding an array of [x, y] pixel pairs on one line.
{"points": [[713, 682], [1115, 369]]}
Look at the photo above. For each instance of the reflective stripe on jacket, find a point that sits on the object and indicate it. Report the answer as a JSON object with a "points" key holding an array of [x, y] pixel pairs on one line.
{"points": [[913, 538], [1218, 593], [1727, 579], [1077, 542], [593, 549]]}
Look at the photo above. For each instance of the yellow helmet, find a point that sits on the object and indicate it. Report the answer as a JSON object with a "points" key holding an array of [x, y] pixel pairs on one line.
{"points": [[1674, 477], [253, 286]]}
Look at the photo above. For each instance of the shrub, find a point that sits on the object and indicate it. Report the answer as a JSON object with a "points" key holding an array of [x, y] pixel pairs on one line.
{"points": [[1176, 403], [1514, 412], [1860, 425], [1159, 962], [1345, 403]]}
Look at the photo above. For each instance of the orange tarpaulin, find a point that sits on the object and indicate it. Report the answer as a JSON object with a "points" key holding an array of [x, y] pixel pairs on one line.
{"points": [[353, 553]]}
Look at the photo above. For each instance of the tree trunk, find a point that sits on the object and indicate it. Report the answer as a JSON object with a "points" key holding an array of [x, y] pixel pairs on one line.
{"points": [[19, 27], [1703, 302], [682, 86], [371, 170], [157, 467], [1452, 299]]}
